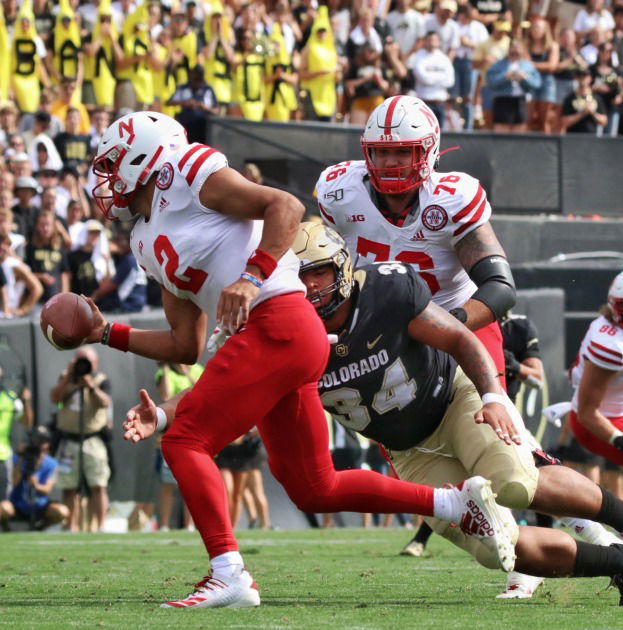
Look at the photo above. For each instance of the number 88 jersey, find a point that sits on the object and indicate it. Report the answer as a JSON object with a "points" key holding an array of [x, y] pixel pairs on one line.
{"points": [[451, 205]]}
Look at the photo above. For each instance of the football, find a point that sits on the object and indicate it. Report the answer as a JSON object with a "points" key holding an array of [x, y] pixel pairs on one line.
{"points": [[66, 320]]}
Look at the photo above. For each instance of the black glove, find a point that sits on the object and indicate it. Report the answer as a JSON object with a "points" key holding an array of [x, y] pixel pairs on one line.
{"points": [[618, 442], [512, 365]]}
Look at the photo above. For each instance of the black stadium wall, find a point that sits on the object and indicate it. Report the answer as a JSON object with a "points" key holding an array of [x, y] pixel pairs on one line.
{"points": [[522, 173]]}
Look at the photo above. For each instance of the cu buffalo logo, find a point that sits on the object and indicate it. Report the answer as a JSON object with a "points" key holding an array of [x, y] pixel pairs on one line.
{"points": [[165, 176], [434, 218]]}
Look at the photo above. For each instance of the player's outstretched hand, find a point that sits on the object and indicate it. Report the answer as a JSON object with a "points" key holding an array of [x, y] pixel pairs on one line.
{"points": [[99, 323], [497, 417], [140, 421], [232, 310]]}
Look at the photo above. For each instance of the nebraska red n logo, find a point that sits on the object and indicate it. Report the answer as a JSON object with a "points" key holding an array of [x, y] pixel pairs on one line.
{"points": [[127, 126], [432, 119]]}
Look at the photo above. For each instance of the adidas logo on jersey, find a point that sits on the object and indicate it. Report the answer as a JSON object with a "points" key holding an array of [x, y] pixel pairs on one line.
{"points": [[163, 204], [418, 236]]}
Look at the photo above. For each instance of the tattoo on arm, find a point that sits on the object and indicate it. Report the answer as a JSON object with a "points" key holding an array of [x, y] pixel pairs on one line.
{"points": [[478, 244]]}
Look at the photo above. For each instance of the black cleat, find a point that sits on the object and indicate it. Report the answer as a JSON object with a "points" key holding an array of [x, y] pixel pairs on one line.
{"points": [[617, 580]]}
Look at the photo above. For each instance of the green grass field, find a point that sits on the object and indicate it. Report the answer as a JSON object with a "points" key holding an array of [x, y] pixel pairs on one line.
{"points": [[339, 579]]}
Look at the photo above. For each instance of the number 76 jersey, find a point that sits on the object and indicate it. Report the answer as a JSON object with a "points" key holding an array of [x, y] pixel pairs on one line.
{"points": [[451, 205]]}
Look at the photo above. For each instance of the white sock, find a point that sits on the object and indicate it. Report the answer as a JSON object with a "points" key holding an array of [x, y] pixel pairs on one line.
{"points": [[447, 504], [590, 531], [227, 565]]}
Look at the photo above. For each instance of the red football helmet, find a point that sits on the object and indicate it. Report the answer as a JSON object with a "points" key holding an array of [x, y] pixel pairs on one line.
{"points": [[399, 122], [133, 147], [615, 299]]}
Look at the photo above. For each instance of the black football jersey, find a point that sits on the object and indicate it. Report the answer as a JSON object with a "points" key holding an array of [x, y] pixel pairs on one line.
{"points": [[378, 380], [522, 339]]}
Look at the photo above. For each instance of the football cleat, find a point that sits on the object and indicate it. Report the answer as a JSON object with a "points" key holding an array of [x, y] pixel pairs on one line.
{"points": [[519, 586], [415, 549], [236, 592], [617, 580], [481, 517]]}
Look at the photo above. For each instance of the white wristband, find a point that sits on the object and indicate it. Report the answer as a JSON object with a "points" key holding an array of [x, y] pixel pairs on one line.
{"points": [[161, 420], [495, 398], [615, 435]]}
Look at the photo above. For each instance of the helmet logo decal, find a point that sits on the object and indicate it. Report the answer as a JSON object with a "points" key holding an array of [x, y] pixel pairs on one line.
{"points": [[128, 126], [434, 218], [165, 176]]}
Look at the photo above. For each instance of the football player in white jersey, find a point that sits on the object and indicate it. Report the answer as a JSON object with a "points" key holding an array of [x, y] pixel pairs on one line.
{"points": [[597, 406], [196, 232], [394, 205]]}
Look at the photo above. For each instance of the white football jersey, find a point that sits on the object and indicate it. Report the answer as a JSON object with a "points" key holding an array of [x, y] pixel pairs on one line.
{"points": [[451, 206], [195, 252], [603, 346]]}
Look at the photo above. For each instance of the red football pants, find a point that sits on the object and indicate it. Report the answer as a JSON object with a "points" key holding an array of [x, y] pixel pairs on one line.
{"points": [[267, 376], [593, 443], [491, 337]]}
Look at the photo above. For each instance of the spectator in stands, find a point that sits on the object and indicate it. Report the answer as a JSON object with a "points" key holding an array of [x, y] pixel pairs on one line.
{"points": [[594, 15], [23, 289], [363, 33], [9, 115], [590, 50], [570, 61], [485, 55], [34, 477], [24, 209], [434, 75], [320, 72], [81, 264], [248, 78], [617, 35], [183, 46], [511, 80], [442, 22], [365, 83], [544, 53], [126, 290], [607, 83], [12, 407], [471, 34], [65, 100], [171, 379], [197, 102], [73, 145], [82, 394], [44, 154], [100, 119], [491, 11], [281, 78], [47, 257], [582, 110], [254, 496], [406, 26], [19, 164], [18, 241]]}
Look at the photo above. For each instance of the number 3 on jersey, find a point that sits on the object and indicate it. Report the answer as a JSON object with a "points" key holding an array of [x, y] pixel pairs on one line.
{"points": [[191, 280], [422, 261]]}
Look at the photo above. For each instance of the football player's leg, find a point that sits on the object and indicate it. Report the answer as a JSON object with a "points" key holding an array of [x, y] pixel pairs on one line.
{"points": [[296, 437], [591, 442], [434, 469], [491, 338]]}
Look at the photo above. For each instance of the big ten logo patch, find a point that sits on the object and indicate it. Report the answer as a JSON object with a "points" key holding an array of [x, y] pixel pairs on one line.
{"points": [[165, 176]]}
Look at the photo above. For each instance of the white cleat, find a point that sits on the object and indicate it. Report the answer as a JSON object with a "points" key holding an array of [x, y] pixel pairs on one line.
{"points": [[481, 517], [415, 549], [519, 586], [211, 592]]}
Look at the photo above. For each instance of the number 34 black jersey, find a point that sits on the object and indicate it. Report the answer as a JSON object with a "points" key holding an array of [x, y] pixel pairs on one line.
{"points": [[379, 381]]}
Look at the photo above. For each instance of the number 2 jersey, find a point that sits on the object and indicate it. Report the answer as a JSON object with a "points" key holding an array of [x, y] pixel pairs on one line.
{"points": [[193, 251], [603, 346], [378, 380], [451, 205]]}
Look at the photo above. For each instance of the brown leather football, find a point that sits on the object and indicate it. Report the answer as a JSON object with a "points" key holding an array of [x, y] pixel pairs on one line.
{"points": [[66, 320]]}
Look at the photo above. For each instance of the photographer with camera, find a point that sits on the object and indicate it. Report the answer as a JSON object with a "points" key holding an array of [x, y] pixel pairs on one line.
{"points": [[34, 476], [83, 397]]}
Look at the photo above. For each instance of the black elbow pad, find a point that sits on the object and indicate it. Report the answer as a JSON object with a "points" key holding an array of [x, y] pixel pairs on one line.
{"points": [[496, 287]]}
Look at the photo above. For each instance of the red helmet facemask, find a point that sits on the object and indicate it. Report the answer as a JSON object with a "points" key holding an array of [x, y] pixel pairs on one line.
{"points": [[108, 194], [399, 179]]}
